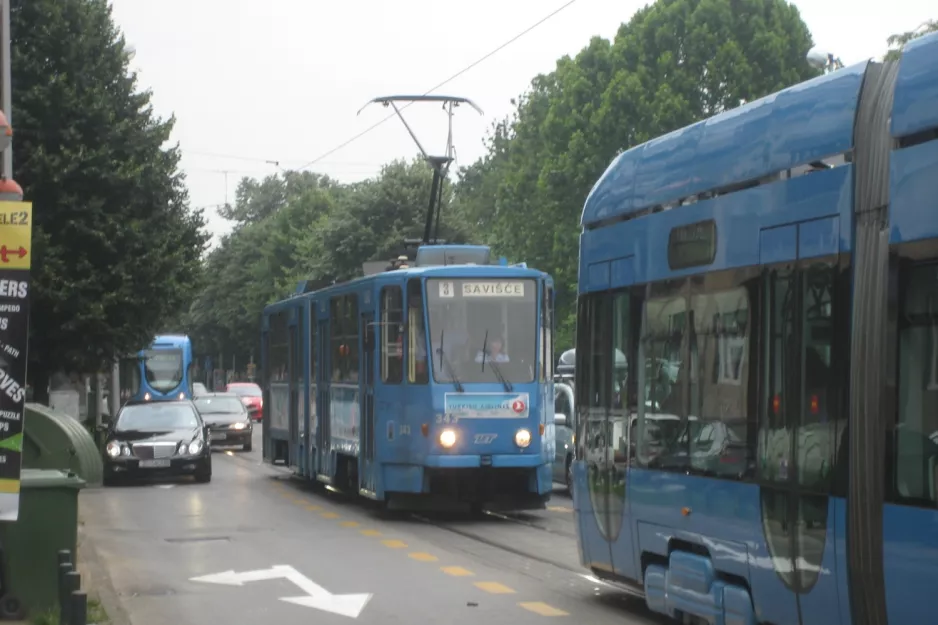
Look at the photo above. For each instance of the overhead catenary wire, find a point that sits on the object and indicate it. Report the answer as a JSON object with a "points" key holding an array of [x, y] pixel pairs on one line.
{"points": [[442, 84]]}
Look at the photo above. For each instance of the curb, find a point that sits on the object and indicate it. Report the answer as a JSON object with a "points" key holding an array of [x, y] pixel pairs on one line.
{"points": [[97, 580]]}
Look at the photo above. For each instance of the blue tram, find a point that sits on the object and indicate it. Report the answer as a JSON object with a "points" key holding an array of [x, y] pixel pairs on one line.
{"points": [[770, 453], [418, 386], [162, 371]]}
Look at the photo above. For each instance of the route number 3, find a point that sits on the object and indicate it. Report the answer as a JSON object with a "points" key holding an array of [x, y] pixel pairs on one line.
{"points": [[446, 289]]}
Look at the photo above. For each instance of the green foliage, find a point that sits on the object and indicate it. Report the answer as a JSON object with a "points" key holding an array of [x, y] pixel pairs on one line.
{"points": [[115, 247], [897, 42], [303, 227], [675, 62]]}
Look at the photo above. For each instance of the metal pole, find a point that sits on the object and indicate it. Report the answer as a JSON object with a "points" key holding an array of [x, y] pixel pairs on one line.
{"points": [[115, 389], [6, 82]]}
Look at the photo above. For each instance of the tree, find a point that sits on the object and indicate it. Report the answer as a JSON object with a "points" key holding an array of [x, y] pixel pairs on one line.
{"points": [[323, 233], [897, 42], [675, 62], [116, 249]]}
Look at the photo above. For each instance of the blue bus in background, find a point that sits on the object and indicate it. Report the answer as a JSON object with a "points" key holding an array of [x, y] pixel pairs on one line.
{"points": [[770, 453], [162, 371], [422, 386]]}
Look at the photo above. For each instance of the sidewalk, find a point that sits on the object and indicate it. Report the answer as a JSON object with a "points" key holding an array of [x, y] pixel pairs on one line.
{"points": [[104, 606]]}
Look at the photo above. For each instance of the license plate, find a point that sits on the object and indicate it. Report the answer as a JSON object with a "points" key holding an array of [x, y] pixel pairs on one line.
{"points": [[160, 463], [219, 436]]}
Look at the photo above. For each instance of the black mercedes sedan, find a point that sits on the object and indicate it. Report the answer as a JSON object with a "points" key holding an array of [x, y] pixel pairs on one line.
{"points": [[227, 418], [157, 439]]}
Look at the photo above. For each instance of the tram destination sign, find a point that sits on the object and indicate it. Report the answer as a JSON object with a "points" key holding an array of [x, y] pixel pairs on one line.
{"points": [[16, 225]]}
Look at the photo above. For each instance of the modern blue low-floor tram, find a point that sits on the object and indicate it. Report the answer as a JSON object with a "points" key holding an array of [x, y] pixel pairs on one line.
{"points": [[769, 452], [162, 371], [426, 385]]}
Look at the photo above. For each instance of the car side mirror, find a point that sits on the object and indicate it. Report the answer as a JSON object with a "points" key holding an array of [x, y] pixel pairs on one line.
{"points": [[102, 427], [560, 418]]}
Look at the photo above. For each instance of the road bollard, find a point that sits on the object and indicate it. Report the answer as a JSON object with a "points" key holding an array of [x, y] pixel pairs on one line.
{"points": [[72, 583], [65, 556], [64, 569], [79, 608]]}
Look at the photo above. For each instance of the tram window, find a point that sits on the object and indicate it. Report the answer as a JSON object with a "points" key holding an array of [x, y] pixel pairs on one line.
{"points": [[547, 334], [593, 376], [718, 377], [277, 351], [417, 371], [344, 338], [623, 401], [312, 343], [805, 361], [392, 346], [663, 424], [352, 337], [915, 442]]}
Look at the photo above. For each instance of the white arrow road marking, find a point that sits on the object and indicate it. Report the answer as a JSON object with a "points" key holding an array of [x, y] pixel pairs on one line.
{"points": [[316, 596]]}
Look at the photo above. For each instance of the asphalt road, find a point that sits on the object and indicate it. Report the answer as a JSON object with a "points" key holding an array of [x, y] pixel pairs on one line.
{"points": [[273, 538]]}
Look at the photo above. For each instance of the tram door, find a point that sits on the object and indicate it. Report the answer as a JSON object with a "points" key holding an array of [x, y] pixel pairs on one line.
{"points": [[295, 373], [368, 466], [324, 431]]}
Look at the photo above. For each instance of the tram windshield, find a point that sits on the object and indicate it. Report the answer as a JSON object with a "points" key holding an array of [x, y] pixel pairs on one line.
{"points": [[483, 330], [163, 368]]}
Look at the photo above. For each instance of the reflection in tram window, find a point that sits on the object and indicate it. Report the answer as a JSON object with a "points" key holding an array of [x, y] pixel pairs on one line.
{"points": [[915, 454], [695, 349]]}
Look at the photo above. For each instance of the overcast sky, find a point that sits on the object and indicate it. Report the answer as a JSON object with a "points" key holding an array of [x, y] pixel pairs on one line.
{"points": [[252, 82]]}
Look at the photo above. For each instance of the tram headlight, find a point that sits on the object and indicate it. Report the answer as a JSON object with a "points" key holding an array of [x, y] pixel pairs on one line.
{"points": [[522, 438], [447, 438], [146, 397], [113, 449], [182, 395]]}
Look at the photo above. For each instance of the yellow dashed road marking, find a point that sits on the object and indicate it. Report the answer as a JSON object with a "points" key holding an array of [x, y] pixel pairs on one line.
{"points": [[371, 533], [423, 557], [457, 571], [394, 544], [302, 502], [559, 509], [349, 524], [313, 507], [543, 609], [495, 588], [329, 515]]}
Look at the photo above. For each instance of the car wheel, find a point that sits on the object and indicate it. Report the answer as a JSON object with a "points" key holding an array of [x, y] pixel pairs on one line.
{"points": [[204, 475], [248, 446], [569, 474]]}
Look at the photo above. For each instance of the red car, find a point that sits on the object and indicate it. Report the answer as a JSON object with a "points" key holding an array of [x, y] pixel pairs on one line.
{"points": [[251, 396]]}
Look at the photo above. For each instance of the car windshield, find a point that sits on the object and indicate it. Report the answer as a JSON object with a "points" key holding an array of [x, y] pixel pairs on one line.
{"points": [[245, 390], [163, 368], [218, 405], [156, 417], [481, 322]]}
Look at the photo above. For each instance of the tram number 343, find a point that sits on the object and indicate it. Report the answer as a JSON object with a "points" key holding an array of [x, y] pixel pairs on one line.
{"points": [[446, 419]]}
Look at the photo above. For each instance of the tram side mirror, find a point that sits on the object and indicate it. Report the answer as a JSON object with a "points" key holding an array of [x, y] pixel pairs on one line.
{"points": [[560, 418]]}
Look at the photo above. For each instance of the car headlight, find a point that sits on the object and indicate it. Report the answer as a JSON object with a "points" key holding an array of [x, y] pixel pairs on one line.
{"points": [[195, 446], [447, 438], [113, 449], [239, 426], [522, 438]]}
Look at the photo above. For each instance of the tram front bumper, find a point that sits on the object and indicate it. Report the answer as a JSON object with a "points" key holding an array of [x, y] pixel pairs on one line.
{"points": [[470, 461]]}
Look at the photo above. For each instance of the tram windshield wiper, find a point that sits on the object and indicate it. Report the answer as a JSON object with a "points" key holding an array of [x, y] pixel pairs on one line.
{"points": [[495, 368], [446, 364]]}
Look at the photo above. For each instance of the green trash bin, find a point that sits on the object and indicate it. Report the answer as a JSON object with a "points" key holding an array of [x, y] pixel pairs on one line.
{"points": [[47, 523]]}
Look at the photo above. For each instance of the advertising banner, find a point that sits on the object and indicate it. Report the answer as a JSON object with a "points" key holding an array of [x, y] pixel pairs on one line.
{"points": [[16, 229]]}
